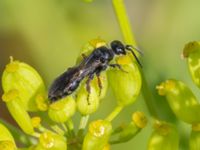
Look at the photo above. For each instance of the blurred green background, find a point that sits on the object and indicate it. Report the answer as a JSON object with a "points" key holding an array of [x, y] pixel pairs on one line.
{"points": [[49, 34]]}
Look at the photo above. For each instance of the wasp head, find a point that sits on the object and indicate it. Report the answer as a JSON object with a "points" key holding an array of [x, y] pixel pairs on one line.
{"points": [[118, 47]]}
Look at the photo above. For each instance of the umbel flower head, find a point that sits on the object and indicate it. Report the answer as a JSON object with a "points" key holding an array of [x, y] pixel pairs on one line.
{"points": [[51, 124]]}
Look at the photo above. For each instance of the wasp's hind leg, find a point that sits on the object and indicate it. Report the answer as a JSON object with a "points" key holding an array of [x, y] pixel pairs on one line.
{"points": [[118, 66], [83, 56], [99, 82], [88, 88]]}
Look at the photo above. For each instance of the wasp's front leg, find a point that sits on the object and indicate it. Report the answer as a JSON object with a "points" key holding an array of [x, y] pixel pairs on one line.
{"points": [[118, 66], [88, 88]]}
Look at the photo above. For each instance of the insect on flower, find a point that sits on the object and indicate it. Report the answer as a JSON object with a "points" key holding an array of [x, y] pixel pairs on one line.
{"points": [[91, 65]]}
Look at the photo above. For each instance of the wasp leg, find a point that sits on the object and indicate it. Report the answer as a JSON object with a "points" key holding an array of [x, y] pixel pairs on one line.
{"points": [[88, 88], [83, 56], [118, 66], [99, 82]]}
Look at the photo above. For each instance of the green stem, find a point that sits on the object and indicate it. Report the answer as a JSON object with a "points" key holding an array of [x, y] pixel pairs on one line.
{"points": [[119, 141], [114, 113], [57, 129], [64, 127], [70, 126], [17, 134], [124, 23], [83, 122], [123, 20], [36, 134], [148, 97]]}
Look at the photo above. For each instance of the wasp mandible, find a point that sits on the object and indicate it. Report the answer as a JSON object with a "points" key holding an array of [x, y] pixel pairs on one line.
{"points": [[94, 64]]}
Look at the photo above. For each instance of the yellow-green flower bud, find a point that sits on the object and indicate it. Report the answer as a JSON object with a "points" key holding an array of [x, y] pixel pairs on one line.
{"points": [[106, 147], [18, 112], [35, 121], [164, 137], [192, 53], [128, 131], [139, 119], [62, 110], [86, 50], [126, 84], [98, 135], [22, 77], [90, 46], [181, 100], [51, 141], [88, 103], [195, 137], [6, 139], [7, 145]]}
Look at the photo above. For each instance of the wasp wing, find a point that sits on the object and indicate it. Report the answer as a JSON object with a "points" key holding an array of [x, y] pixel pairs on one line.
{"points": [[56, 89], [91, 61]]}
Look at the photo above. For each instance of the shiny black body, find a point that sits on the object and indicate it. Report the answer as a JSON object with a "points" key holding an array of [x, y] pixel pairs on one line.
{"points": [[91, 65]]}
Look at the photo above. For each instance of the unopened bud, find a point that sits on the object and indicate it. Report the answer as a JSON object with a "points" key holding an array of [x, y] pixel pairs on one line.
{"points": [[62, 110], [164, 137], [22, 77], [125, 84], [98, 135], [17, 111], [181, 100], [51, 141]]}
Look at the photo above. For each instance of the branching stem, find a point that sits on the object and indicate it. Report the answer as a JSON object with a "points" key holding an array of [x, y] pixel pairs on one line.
{"points": [[114, 113], [124, 23]]}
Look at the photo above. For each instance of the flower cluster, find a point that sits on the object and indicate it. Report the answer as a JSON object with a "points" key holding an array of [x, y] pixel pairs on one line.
{"points": [[183, 103], [50, 126]]}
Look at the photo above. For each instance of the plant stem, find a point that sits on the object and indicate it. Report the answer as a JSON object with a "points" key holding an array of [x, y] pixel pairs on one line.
{"points": [[148, 97], [124, 23], [57, 129], [114, 113], [64, 127], [83, 122], [36, 134], [70, 124]]}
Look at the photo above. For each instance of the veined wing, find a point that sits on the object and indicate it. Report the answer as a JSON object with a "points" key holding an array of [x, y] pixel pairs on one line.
{"points": [[91, 61], [60, 83]]}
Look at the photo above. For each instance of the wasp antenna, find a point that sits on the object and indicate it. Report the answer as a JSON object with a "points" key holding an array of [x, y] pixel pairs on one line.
{"points": [[130, 48], [135, 48]]}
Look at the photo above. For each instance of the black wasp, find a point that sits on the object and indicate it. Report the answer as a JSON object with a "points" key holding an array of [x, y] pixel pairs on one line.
{"points": [[91, 65]]}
